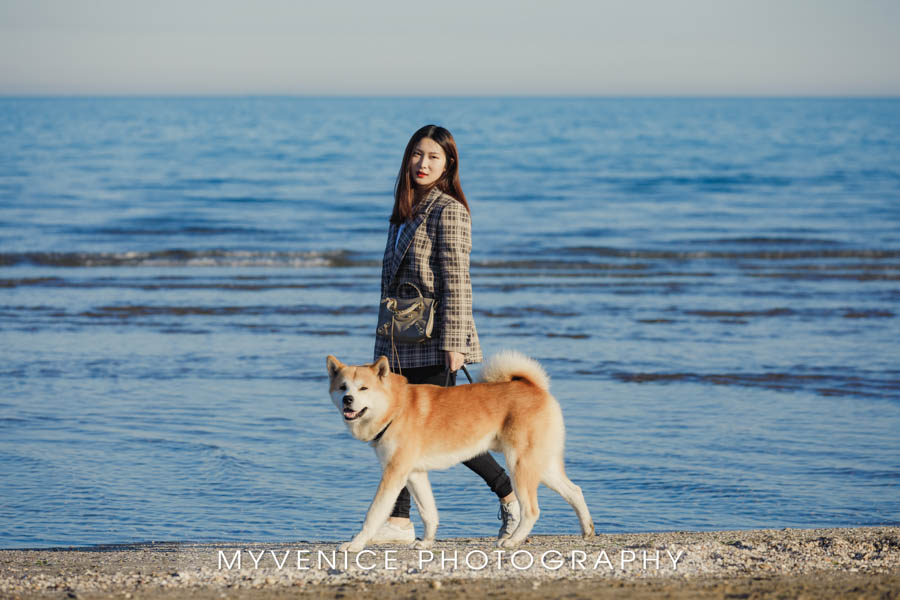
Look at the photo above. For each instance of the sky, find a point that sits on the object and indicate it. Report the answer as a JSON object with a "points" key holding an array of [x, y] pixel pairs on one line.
{"points": [[464, 47]]}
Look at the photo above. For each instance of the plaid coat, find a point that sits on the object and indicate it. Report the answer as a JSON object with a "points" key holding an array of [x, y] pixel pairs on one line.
{"points": [[433, 253]]}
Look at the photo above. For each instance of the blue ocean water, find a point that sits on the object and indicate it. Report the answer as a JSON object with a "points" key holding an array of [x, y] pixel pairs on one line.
{"points": [[712, 284]]}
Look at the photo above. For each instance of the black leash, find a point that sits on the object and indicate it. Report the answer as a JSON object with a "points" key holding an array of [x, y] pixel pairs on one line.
{"points": [[380, 433], [465, 370]]}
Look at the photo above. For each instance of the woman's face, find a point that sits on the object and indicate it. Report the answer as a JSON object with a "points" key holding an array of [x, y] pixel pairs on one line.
{"points": [[427, 162]]}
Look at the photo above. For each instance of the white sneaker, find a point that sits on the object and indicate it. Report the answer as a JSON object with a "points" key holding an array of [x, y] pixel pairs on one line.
{"points": [[389, 533], [510, 514]]}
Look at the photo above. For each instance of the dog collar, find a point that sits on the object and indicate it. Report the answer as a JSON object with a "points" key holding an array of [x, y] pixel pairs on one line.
{"points": [[380, 433]]}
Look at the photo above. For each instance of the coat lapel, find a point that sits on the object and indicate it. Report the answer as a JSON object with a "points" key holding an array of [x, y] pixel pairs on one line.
{"points": [[406, 236]]}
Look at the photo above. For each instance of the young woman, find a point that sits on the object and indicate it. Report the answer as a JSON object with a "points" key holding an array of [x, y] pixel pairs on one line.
{"points": [[428, 245]]}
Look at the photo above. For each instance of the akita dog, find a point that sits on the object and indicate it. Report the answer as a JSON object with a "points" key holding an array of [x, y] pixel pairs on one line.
{"points": [[416, 428]]}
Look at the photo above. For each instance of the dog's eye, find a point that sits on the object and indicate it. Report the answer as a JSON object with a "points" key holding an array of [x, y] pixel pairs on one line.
{"points": [[362, 389], [343, 387]]}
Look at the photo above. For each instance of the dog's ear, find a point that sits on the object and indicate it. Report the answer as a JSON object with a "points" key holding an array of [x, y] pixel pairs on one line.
{"points": [[382, 367], [334, 366]]}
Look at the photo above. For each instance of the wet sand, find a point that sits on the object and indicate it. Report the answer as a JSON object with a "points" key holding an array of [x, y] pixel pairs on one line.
{"points": [[813, 563]]}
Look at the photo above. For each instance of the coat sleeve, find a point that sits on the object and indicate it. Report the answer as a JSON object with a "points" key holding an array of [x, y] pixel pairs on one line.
{"points": [[454, 248], [385, 273], [386, 262]]}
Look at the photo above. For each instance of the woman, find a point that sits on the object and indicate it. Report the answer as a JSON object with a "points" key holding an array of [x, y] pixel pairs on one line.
{"points": [[428, 245]]}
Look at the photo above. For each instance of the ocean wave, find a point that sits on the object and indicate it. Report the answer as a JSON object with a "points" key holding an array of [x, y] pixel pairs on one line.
{"points": [[229, 284], [182, 258], [769, 241], [822, 313], [775, 254], [128, 310], [634, 262], [716, 181], [881, 385]]}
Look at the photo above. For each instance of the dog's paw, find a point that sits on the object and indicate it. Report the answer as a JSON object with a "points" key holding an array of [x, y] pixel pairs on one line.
{"points": [[422, 544], [506, 543], [352, 546]]}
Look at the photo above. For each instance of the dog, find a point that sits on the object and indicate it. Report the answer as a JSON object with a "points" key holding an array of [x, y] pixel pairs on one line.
{"points": [[417, 428]]}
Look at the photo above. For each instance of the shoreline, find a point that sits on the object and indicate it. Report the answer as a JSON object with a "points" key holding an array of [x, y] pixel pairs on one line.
{"points": [[834, 562]]}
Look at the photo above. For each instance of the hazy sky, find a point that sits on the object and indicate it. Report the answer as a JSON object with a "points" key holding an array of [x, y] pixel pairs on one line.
{"points": [[464, 47]]}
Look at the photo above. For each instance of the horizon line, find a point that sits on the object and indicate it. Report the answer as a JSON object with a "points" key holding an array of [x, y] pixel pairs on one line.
{"points": [[523, 96]]}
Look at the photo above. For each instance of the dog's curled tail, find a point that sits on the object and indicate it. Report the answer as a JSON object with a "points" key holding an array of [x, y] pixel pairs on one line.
{"points": [[508, 365]]}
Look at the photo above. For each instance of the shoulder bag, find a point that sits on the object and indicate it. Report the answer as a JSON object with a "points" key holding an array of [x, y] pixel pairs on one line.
{"points": [[406, 320]]}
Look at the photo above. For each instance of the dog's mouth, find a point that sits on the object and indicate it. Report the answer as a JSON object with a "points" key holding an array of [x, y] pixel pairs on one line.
{"points": [[352, 415]]}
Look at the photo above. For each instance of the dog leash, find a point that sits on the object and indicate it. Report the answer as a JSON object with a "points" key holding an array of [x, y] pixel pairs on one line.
{"points": [[465, 370], [377, 438]]}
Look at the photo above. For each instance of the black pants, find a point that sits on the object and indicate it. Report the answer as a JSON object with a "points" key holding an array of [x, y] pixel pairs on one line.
{"points": [[485, 465]]}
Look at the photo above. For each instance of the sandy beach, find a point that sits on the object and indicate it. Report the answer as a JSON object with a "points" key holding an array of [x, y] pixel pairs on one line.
{"points": [[812, 563]]}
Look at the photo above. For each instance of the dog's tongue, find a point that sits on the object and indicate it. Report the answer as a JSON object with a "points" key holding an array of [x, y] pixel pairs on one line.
{"points": [[349, 413]]}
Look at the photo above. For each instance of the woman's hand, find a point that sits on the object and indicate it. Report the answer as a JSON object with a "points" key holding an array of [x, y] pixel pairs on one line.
{"points": [[454, 360]]}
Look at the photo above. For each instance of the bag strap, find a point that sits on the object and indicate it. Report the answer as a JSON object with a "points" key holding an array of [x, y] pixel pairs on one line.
{"points": [[464, 369], [413, 286]]}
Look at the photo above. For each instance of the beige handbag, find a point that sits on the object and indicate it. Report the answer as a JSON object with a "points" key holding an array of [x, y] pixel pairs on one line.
{"points": [[406, 320]]}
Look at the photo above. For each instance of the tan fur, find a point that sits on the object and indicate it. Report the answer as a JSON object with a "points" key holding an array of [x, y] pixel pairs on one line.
{"points": [[509, 364], [429, 427]]}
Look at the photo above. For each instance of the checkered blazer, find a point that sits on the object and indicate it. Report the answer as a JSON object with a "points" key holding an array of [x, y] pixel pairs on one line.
{"points": [[433, 253]]}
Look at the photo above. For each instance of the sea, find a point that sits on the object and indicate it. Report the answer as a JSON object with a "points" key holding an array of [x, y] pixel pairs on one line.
{"points": [[713, 285]]}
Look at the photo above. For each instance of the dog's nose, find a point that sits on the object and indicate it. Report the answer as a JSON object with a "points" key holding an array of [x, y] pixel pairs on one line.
{"points": [[348, 400]]}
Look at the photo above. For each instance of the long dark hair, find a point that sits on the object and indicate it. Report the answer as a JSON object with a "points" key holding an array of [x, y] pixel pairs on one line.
{"points": [[405, 189]]}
